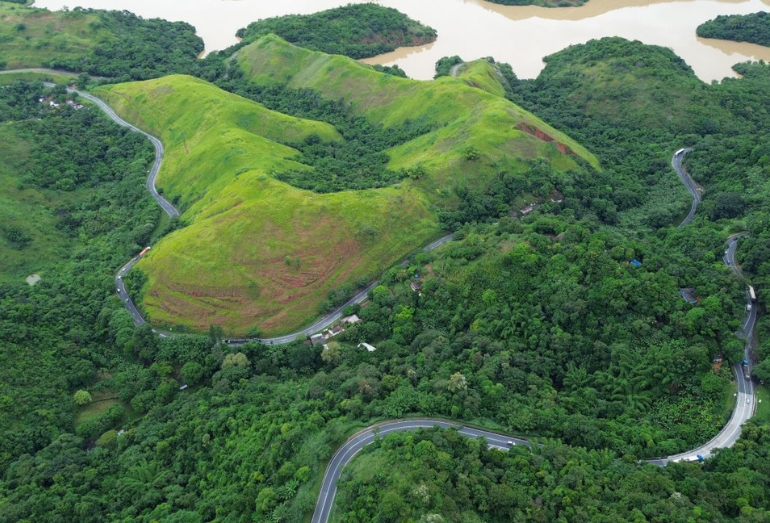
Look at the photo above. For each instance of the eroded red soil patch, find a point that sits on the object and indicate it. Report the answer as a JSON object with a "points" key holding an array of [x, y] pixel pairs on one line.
{"points": [[541, 135]]}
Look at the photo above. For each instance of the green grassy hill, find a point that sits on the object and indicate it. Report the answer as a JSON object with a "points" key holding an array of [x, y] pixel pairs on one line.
{"points": [[465, 116], [260, 253], [482, 75]]}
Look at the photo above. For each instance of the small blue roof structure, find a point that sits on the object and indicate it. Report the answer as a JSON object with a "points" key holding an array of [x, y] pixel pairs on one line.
{"points": [[688, 294], [636, 263]]}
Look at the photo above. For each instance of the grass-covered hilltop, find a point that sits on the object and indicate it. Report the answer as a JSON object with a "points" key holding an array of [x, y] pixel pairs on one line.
{"points": [[270, 232], [571, 312]]}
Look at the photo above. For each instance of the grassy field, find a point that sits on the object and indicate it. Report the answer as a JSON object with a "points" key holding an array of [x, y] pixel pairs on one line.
{"points": [[261, 254], [31, 37], [102, 401]]}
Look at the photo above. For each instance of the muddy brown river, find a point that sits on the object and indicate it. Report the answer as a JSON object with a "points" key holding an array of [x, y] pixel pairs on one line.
{"points": [[521, 36]]}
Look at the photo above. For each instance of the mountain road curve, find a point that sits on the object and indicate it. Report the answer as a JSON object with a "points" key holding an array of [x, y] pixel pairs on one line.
{"points": [[356, 443], [745, 395], [689, 183], [743, 411]]}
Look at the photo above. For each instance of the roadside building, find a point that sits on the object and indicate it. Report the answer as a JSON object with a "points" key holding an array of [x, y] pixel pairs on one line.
{"points": [[351, 320], [334, 331], [317, 339]]}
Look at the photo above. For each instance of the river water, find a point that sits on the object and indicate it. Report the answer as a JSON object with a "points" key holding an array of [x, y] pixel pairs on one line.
{"points": [[521, 36]]}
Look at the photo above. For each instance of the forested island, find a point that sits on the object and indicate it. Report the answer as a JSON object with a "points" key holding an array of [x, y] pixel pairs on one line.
{"points": [[356, 30], [753, 28], [556, 312]]}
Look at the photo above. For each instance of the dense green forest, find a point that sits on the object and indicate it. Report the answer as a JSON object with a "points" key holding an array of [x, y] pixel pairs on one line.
{"points": [[138, 48], [54, 335], [753, 28], [439, 476], [115, 44], [535, 325], [356, 30]]}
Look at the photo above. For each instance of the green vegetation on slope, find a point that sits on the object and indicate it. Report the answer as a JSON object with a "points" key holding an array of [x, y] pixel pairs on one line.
{"points": [[137, 48], [33, 37], [356, 30], [753, 28], [251, 439], [53, 335], [464, 118], [552, 332], [633, 105], [114, 44], [537, 326], [259, 253], [28, 236], [225, 161], [51, 166], [442, 477]]}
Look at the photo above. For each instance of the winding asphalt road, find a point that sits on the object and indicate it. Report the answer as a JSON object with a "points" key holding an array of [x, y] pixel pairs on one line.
{"points": [[689, 183], [743, 411], [367, 436], [152, 176]]}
